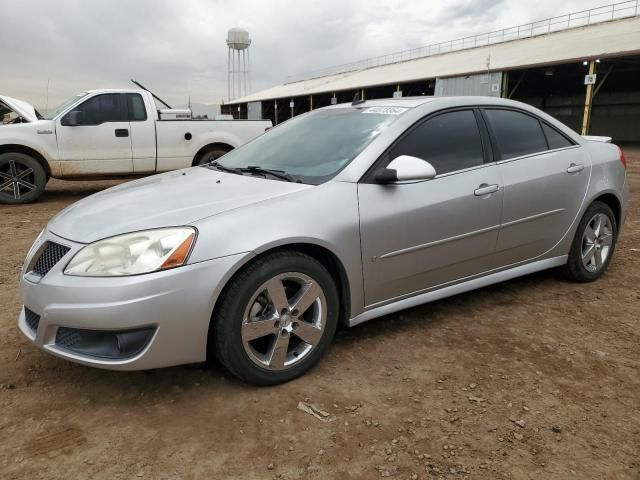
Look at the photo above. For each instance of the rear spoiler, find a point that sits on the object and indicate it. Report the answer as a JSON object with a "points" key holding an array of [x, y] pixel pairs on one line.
{"points": [[597, 139]]}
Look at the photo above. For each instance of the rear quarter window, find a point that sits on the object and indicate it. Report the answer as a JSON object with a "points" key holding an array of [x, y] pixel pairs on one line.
{"points": [[555, 139]]}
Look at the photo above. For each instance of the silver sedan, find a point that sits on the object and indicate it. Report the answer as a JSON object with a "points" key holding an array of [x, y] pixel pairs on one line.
{"points": [[342, 214]]}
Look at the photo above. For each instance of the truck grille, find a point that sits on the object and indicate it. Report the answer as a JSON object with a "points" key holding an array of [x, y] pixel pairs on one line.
{"points": [[32, 319], [51, 254]]}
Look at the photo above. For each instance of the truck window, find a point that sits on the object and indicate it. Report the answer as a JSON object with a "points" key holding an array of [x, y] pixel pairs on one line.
{"points": [[135, 106], [102, 108]]}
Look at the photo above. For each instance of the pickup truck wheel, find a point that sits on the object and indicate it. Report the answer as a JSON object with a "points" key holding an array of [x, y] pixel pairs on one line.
{"points": [[210, 155], [22, 178]]}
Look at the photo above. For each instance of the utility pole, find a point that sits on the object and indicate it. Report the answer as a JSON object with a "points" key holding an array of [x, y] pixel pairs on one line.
{"points": [[46, 107], [586, 117]]}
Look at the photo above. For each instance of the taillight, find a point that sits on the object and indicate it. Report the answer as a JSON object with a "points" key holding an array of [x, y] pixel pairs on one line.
{"points": [[622, 159]]}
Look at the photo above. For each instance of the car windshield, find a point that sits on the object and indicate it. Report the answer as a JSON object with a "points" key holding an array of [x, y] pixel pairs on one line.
{"points": [[63, 106], [314, 147]]}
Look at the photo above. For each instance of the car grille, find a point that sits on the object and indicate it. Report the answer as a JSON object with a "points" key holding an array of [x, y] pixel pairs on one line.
{"points": [[51, 255], [32, 319]]}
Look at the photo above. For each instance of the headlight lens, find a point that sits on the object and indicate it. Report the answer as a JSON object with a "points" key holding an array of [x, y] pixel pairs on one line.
{"points": [[134, 253]]}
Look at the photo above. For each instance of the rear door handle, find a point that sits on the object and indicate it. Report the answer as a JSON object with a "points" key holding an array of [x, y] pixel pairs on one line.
{"points": [[575, 168], [486, 189], [122, 132]]}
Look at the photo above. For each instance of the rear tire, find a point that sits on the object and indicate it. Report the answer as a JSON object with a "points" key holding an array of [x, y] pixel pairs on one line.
{"points": [[22, 178], [211, 155], [593, 244], [275, 319]]}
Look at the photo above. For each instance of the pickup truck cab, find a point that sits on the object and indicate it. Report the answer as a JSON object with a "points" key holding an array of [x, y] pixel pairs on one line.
{"points": [[106, 133]]}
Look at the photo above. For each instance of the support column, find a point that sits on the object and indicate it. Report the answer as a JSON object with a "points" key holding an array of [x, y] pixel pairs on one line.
{"points": [[249, 71], [504, 88], [586, 117], [310, 102], [239, 76], [275, 112]]}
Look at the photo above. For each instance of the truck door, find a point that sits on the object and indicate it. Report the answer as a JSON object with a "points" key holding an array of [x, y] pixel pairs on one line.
{"points": [[94, 138], [143, 134]]}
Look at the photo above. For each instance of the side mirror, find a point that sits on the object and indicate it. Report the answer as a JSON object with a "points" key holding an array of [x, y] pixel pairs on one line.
{"points": [[73, 119], [405, 168]]}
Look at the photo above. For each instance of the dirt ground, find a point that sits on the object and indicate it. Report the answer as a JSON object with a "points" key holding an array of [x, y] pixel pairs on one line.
{"points": [[532, 378]]}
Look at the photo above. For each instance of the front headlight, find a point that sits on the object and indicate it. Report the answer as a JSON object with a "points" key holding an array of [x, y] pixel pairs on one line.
{"points": [[134, 253]]}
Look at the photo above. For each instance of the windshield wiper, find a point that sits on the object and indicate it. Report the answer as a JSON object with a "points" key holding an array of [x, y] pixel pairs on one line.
{"points": [[250, 169], [222, 168], [267, 171]]}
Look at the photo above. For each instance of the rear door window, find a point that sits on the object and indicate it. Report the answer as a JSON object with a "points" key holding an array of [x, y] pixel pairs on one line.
{"points": [[449, 141], [516, 133]]}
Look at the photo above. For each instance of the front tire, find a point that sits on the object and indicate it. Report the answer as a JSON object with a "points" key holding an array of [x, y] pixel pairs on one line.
{"points": [[22, 178], [276, 318], [593, 244]]}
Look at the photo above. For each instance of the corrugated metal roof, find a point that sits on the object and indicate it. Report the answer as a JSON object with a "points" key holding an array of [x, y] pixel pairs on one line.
{"points": [[608, 39]]}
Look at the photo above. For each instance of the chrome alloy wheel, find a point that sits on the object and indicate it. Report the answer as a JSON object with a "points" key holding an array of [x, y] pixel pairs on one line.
{"points": [[284, 320], [16, 179], [596, 242]]}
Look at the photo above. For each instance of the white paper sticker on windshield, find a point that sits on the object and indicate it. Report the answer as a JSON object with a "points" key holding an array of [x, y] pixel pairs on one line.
{"points": [[386, 110]]}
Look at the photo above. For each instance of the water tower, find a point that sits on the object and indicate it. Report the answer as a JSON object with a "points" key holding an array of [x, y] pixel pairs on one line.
{"points": [[239, 80]]}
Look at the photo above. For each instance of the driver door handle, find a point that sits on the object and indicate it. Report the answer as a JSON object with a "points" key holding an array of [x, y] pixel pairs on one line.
{"points": [[575, 168], [485, 189], [122, 132]]}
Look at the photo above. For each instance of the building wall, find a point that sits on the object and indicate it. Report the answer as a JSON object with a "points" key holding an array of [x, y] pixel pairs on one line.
{"points": [[481, 84], [616, 115], [254, 110]]}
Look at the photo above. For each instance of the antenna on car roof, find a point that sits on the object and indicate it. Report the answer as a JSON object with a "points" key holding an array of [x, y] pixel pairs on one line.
{"points": [[356, 99], [152, 94]]}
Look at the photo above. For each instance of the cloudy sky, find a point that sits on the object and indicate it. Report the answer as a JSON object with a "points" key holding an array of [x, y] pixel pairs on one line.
{"points": [[177, 48]]}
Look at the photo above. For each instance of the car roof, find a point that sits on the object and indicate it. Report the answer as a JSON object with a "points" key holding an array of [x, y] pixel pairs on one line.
{"points": [[442, 102], [406, 102]]}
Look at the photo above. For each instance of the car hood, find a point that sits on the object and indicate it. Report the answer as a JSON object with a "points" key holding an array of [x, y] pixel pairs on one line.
{"points": [[24, 109], [170, 199]]}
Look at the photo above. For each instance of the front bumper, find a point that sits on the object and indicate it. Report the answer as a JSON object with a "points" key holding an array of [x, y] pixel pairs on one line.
{"points": [[176, 304]]}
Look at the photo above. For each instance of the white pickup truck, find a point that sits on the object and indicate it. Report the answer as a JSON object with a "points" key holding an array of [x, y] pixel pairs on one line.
{"points": [[106, 133]]}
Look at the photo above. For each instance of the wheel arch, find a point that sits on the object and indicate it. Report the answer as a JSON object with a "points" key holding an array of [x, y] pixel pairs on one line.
{"points": [[211, 146], [320, 253], [17, 148], [614, 204], [335, 267]]}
